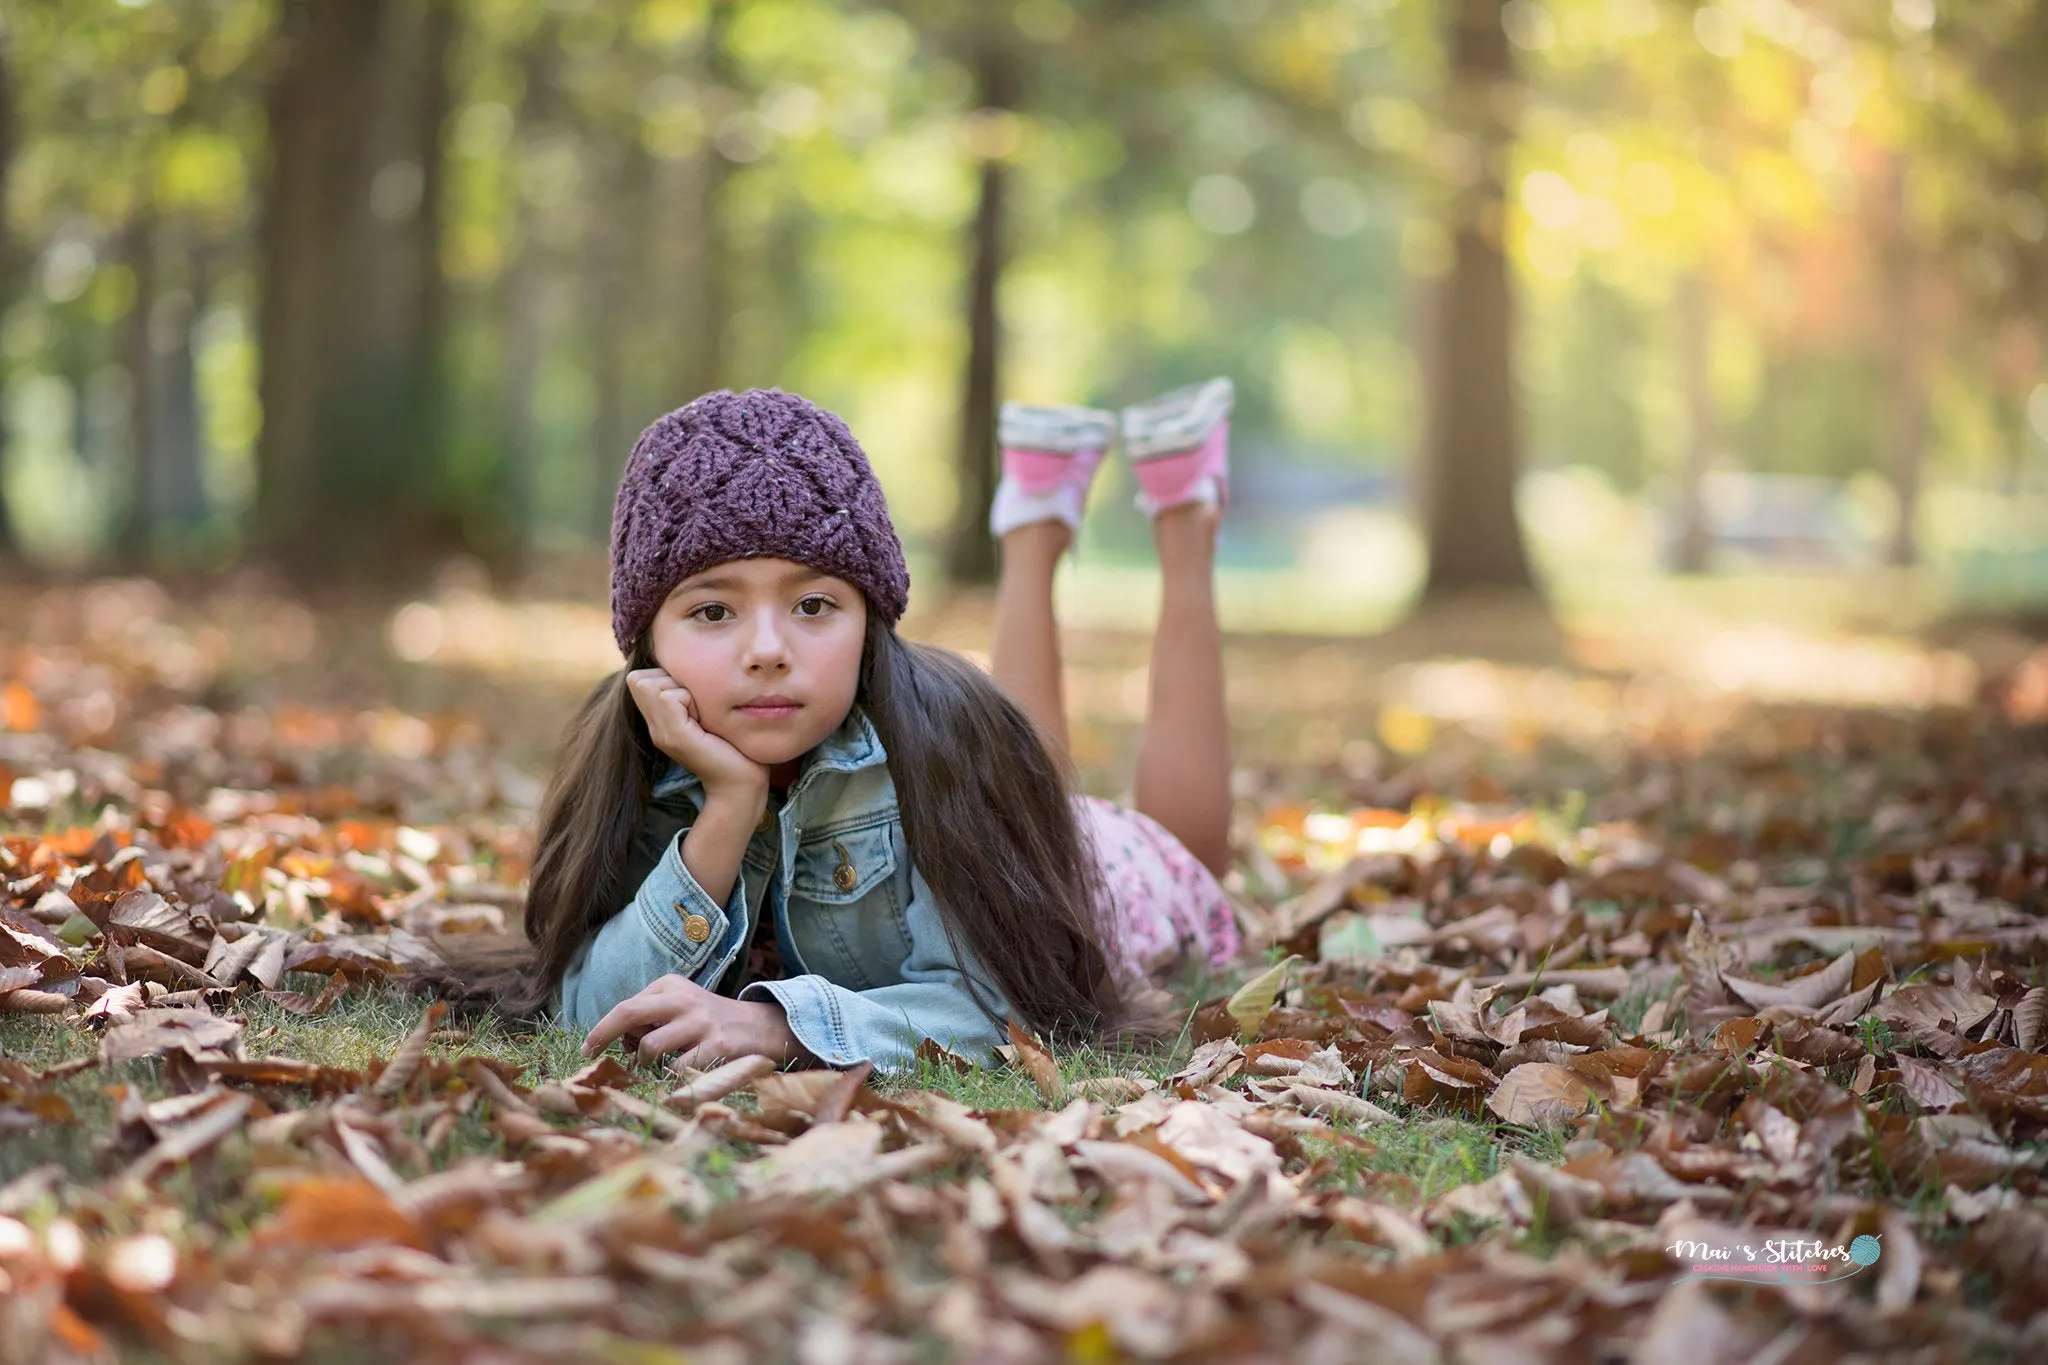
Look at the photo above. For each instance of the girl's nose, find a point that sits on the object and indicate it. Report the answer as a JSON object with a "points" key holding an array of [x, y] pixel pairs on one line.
{"points": [[765, 646]]}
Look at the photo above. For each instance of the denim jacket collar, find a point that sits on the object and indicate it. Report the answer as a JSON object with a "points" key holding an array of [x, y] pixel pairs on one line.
{"points": [[852, 746]]}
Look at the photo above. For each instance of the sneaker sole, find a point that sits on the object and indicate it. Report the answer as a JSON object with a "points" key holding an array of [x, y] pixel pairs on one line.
{"points": [[1064, 430], [1176, 421]]}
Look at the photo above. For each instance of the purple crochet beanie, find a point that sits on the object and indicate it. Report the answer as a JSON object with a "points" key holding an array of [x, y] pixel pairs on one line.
{"points": [[744, 476]]}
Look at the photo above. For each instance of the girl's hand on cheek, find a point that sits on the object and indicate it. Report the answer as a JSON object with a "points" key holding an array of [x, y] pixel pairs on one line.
{"points": [[677, 730], [674, 1014]]}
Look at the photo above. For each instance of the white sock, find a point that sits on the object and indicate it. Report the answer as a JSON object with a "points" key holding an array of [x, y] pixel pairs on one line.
{"points": [[1208, 490], [1013, 507]]}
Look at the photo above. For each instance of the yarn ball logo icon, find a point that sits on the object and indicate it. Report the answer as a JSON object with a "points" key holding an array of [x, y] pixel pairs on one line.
{"points": [[1727, 1254]]}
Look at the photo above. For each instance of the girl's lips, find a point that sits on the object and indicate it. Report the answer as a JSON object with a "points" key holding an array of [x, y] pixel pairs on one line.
{"points": [[772, 712]]}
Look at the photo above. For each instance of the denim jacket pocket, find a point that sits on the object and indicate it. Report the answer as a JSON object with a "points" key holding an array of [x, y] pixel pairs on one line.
{"points": [[846, 898], [843, 868]]}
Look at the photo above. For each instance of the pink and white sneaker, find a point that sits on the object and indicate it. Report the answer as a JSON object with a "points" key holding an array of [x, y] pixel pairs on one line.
{"points": [[1179, 446], [1050, 455]]}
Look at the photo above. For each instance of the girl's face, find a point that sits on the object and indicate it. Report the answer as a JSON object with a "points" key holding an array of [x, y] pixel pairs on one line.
{"points": [[770, 650]]}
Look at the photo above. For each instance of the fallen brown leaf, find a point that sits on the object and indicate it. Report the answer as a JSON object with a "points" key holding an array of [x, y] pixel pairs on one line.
{"points": [[1538, 1093], [1038, 1064]]}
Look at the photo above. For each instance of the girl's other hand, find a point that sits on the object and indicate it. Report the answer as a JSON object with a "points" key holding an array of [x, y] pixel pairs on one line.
{"points": [[678, 731], [674, 1014]]}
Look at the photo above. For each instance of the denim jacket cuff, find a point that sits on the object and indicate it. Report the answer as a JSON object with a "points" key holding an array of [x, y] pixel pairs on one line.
{"points": [[671, 898], [843, 1027], [811, 1005]]}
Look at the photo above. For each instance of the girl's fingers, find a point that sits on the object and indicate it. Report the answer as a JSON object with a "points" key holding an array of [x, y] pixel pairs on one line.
{"points": [[646, 695], [669, 690], [634, 1013], [654, 693], [647, 681], [677, 1033]]}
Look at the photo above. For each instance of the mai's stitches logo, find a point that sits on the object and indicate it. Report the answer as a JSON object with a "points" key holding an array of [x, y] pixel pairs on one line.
{"points": [[1775, 1261]]}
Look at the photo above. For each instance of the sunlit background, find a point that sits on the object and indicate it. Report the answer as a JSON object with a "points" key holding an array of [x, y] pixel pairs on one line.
{"points": [[1730, 314]]}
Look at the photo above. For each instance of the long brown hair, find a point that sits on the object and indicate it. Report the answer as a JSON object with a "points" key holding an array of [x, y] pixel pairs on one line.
{"points": [[987, 815]]}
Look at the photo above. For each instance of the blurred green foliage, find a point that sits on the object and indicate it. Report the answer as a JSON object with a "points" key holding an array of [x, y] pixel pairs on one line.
{"points": [[632, 200]]}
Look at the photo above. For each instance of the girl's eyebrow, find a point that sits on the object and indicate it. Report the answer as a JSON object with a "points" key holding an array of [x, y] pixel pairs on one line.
{"points": [[726, 582]]}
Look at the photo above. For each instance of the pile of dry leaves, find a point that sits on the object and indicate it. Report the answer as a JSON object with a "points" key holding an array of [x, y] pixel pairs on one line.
{"points": [[1793, 999]]}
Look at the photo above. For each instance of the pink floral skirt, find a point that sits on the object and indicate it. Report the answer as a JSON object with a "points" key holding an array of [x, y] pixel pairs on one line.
{"points": [[1168, 907]]}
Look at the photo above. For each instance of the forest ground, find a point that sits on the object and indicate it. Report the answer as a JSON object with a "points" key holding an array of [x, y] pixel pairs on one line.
{"points": [[1693, 924]]}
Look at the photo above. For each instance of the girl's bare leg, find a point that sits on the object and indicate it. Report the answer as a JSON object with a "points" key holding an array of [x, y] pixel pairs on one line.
{"points": [[1183, 777], [1025, 655]]}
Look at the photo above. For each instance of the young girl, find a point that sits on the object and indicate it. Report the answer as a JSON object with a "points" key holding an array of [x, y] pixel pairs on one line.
{"points": [[785, 830]]}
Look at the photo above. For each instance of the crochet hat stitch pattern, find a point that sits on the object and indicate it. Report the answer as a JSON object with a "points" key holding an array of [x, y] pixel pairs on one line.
{"points": [[746, 476]]}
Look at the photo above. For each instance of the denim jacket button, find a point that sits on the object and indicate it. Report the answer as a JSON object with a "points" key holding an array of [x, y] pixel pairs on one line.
{"points": [[843, 876], [767, 820], [696, 928]]}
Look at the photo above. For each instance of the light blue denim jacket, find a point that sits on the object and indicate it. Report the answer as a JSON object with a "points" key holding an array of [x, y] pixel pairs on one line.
{"points": [[869, 973]]}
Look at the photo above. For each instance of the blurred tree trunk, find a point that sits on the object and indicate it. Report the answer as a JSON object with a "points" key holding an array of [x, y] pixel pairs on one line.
{"points": [[785, 297], [704, 271], [423, 328], [166, 497], [408, 303], [12, 275], [1695, 537], [970, 550], [1472, 451], [1905, 354], [354, 302], [618, 266], [522, 295], [137, 526], [318, 183], [706, 283], [180, 507], [521, 329]]}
